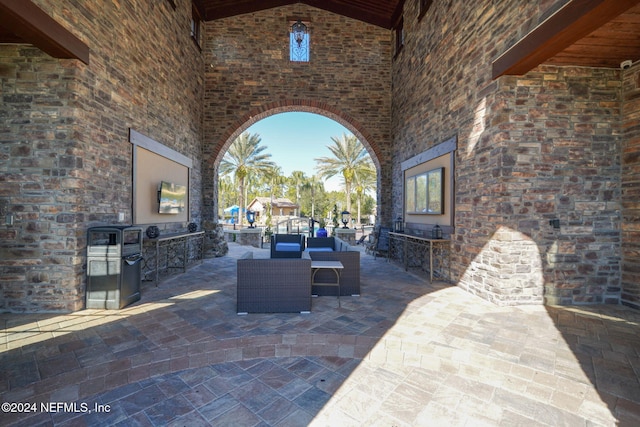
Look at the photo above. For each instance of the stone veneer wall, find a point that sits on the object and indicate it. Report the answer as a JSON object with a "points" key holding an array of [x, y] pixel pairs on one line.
{"points": [[530, 149], [65, 155], [631, 188], [249, 77], [558, 132]]}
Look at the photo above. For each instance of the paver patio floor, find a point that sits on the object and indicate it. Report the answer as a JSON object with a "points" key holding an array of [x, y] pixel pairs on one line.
{"points": [[404, 353]]}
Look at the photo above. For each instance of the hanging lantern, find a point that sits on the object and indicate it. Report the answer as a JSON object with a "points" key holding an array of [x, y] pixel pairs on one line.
{"points": [[299, 30]]}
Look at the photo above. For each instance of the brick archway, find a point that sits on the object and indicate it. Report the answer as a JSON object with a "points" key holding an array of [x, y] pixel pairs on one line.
{"points": [[289, 106], [306, 106]]}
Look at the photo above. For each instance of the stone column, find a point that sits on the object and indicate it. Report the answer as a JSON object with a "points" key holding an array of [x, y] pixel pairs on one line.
{"points": [[251, 237], [346, 234], [214, 243]]}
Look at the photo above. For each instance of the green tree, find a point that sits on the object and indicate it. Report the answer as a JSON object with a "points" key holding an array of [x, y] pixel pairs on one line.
{"points": [[275, 182], [226, 194], [365, 180], [315, 187], [245, 157], [334, 220], [297, 180], [349, 157]]}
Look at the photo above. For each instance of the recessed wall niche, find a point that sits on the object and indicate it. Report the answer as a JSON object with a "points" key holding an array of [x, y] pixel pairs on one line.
{"points": [[153, 164], [431, 172]]}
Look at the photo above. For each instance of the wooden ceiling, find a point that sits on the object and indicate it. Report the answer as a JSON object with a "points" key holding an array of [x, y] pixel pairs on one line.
{"points": [[592, 33], [382, 13], [23, 22], [613, 42]]}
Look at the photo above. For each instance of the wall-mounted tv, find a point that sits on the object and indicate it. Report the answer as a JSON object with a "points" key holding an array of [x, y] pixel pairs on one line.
{"points": [[172, 198]]}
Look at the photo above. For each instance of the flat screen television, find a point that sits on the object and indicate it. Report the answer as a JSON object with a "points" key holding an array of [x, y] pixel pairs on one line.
{"points": [[172, 198]]}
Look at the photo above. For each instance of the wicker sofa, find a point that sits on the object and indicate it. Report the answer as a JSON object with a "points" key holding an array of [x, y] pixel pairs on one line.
{"points": [[273, 285], [343, 252]]}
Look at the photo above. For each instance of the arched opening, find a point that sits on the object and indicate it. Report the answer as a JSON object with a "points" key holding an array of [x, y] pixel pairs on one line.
{"points": [[296, 165], [329, 112], [244, 123]]}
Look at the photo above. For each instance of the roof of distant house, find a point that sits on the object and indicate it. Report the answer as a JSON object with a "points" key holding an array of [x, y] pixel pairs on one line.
{"points": [[281, 202]]}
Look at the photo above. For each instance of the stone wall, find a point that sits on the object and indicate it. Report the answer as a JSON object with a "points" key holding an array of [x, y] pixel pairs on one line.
{"points": [[631, 188], [559, 156], [544, 146], [249, 77], [530, 149], [65, 154], [40, 260]]}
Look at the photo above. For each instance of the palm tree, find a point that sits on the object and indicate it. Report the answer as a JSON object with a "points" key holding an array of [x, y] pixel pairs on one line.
{"points": [[276, 183], [365, 181], [245, 157], [226, 193], [349, 157], [314, 185], [297, 179]]}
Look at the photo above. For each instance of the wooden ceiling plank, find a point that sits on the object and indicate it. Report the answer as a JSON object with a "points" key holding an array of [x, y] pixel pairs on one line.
{"points": [[397, 14], [379, 13], [34, 26], [235, 8], [572, 22], [626, 41], [612, 53], [368, 15], [591, 63]]}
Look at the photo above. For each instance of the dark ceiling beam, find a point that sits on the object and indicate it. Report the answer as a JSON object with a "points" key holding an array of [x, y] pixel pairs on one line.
{"points": [[397, 14], [354, 12], [380, 18], [241, 7], [575, 20], [35, 27]]}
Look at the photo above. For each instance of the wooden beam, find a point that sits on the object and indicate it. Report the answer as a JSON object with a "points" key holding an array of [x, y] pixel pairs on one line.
{"points": [[371, 16], [34, 26], [397, 14], [379, 16], [573, 21], [240, 7]]}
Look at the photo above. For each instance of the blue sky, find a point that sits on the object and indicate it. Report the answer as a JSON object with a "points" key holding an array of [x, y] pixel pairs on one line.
{"points": [[294, 140]]}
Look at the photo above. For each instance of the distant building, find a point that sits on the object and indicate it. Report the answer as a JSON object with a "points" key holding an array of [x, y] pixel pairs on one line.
{"points": [[281, 207]]}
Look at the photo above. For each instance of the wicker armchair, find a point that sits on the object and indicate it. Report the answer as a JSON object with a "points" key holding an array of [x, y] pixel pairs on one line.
{"points": [[319, 244], [284, 245]]}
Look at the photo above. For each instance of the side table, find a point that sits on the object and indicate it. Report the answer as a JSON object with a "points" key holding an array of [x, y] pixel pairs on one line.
{"points": [[335, 266]]}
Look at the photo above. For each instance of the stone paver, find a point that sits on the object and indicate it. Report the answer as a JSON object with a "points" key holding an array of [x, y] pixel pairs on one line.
{"points": [[404, 353]]}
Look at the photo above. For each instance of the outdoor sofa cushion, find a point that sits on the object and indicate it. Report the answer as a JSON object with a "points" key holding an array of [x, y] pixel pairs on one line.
{"points": [[289, 247], [320, 249]]}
